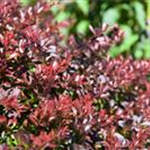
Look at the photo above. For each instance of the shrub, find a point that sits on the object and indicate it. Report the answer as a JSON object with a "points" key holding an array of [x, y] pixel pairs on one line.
{"points": [[67, 97]]}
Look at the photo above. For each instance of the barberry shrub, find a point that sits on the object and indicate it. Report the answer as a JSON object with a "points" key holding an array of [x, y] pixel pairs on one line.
{"points": [[72, 96]]}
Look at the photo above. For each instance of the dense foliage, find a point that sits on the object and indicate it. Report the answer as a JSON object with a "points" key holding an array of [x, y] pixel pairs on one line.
{"points": [[131, 15], [73, 97]]}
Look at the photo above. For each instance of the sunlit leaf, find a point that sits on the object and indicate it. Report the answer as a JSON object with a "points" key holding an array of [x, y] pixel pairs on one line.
{"points": [[127, 30], [139, 13], [82, 26], [146, 47], [62, 16], [28, 2], [54, 9], [126, 46], [111, 16], [138, 53], [83, 5]]}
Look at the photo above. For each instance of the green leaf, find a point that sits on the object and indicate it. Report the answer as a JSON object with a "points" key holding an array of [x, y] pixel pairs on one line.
{"points": [[27, 2], [62, 16], [82, 26], [111, 16], [54, 9], [11, 141], [140, 13], [126, 46], [127, 30], [32, 68], [142, 49], [138, 53], [146, 48], [83, 5]]}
